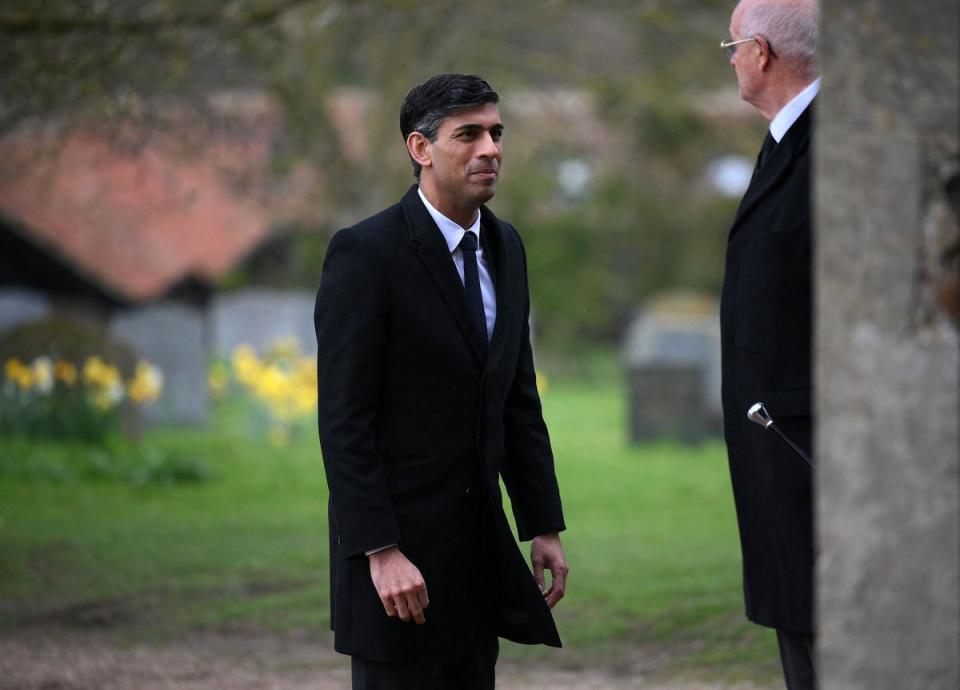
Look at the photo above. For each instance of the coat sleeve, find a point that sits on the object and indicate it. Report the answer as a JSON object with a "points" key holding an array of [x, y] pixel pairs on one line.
{"points": [[351, 321], [528, 469]]}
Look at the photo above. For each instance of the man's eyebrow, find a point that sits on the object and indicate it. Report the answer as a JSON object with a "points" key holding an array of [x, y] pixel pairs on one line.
{"points": [[474, 127]]}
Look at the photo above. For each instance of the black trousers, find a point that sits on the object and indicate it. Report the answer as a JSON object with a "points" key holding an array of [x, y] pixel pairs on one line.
{"points": [[797, 658], [470, 669]]}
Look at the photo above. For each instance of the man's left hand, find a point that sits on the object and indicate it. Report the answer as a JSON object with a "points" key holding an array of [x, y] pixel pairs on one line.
{"points": [[547, 554]]}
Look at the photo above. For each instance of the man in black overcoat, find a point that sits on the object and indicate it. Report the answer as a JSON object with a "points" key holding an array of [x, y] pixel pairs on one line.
{"points": [[427, 396], [766, 322]]}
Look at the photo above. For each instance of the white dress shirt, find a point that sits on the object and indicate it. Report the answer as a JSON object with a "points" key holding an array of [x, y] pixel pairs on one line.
{"points": [[793, 110], [453, 233]]}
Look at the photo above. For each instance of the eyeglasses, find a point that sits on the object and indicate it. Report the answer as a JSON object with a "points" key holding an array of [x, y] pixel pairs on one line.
{"points": [[730, 47]]}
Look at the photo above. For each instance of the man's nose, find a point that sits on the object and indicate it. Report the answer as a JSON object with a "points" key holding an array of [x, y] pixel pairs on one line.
{"points": [[489, 147]]}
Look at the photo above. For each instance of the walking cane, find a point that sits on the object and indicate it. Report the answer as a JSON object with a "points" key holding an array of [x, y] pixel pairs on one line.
{"points": [[758, 414]]}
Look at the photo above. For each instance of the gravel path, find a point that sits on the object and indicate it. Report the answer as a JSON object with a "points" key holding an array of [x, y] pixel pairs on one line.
{"points": [[35, 661]]}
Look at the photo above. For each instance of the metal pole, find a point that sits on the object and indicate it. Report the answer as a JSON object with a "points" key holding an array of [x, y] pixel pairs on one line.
{"points": [[758, 414]]}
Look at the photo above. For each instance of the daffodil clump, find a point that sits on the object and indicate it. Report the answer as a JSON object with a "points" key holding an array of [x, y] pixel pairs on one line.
{"points": [[283, 383], [48, 398]]}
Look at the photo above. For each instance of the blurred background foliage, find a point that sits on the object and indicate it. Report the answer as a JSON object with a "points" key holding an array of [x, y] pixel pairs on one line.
{"points": [[613, 110]]}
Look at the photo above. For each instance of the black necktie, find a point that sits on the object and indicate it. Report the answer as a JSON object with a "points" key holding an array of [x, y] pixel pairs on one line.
{"points": [[768, 143], [471, 283]]}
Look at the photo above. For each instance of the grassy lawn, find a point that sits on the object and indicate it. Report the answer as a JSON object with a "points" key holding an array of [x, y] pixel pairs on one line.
{"points": [[652, 545]]}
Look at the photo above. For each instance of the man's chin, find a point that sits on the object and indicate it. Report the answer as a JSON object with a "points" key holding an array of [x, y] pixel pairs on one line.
{"points": [[485, 192], [484, 198]]}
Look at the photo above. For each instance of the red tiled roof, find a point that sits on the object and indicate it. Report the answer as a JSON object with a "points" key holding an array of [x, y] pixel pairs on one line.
{"points": [[137, 221]]}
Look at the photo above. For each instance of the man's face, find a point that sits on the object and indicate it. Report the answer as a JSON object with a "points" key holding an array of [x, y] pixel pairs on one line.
{"points": [[743, 59], [466, 156]]}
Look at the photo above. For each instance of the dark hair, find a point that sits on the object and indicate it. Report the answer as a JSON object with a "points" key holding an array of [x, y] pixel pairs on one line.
{"points": [[428, 104]]}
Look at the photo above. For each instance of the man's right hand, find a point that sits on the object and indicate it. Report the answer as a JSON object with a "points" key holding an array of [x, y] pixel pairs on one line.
{"points": [[399, 584]]}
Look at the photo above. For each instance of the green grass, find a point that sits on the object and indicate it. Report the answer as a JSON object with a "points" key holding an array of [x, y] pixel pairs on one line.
{"points": [[652, 544]]}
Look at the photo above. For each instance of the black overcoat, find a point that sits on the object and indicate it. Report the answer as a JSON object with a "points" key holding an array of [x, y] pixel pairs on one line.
{"points": [[765, 320], [417, 422]]}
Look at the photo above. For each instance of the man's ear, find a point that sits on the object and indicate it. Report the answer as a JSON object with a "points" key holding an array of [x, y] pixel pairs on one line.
{"points": [[419, 148], [764, 53]]}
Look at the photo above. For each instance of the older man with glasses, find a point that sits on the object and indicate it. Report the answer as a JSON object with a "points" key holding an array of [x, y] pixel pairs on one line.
{"points": [[766, 325]]}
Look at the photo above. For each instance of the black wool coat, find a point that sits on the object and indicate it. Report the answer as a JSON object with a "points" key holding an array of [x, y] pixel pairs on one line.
{"points": [[765, 320], [417, 423]]}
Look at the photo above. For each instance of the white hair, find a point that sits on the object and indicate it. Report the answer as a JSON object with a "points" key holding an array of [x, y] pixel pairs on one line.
{"points": [[789, 26]]}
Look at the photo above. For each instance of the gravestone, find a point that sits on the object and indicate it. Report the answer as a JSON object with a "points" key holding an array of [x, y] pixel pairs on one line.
{"points": [[261, 317], [172, 337], [19, 305], [672, 357], [887, 346]]}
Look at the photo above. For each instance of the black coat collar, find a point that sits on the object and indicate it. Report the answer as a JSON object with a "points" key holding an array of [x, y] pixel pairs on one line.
{"points": [[794, 143]]}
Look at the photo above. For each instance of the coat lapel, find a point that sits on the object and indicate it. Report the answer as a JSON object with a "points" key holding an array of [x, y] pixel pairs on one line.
{"points": [[796, 139], [504, 275], [435, 255]]}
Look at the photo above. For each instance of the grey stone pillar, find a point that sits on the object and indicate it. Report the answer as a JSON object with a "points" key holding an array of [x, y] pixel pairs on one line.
{"points": [[887, 347]]}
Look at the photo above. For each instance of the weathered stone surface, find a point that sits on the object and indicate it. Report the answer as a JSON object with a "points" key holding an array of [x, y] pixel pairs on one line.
{"points": [[174, 338], [19, 306], [666, 400], [887, 351], [262, 316], [672, 357]]}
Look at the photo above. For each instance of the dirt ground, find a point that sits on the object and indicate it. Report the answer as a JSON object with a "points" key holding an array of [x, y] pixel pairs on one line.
{"points": [[36, 660]]}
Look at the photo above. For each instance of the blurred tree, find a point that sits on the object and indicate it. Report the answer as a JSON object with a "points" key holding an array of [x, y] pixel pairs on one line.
{"points": [[606, 140]]}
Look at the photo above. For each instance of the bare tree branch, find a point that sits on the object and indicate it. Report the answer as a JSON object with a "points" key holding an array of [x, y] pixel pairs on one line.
{"points": [[245, 18]]}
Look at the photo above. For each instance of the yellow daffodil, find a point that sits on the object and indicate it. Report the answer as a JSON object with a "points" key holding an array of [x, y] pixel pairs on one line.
{"points": [[65, 372], [146, 385], [41, 371], [246, 365], [283, 381], [100, 383], [18, 372], [98, 373], [93, 369]]}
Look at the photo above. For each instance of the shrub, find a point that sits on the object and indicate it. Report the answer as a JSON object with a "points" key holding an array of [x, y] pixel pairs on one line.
{"points": [[117, 460], [66, 339], [55, 385]]}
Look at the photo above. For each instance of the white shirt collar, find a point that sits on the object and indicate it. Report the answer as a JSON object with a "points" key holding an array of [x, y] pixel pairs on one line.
{"points": [[452, 232], [793, 110]]}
